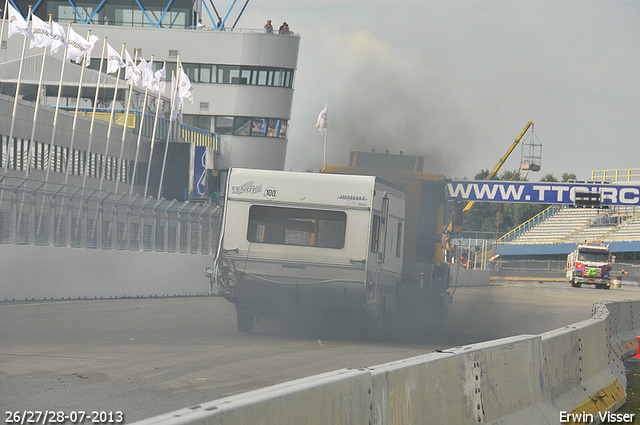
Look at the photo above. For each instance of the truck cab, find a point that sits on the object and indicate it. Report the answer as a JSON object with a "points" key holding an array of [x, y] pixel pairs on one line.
{"points": [[590, 264]]}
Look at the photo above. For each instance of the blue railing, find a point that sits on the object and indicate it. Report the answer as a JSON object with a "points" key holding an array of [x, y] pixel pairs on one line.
{"points": [[513, 234]]}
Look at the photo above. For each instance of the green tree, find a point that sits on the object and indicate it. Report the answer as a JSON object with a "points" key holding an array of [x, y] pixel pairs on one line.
{"points": [[549, 178], [482, 219]]}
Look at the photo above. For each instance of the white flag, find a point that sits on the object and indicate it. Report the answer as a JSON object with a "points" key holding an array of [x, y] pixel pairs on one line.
{"points": [[59, 37], [176, 110], [160, 79], [93, 39], [146, 72], [17, 24], [322, 120], [114, 60], [79, 47], [132, 75], [185, 91], [42, 36], [209, 163]]}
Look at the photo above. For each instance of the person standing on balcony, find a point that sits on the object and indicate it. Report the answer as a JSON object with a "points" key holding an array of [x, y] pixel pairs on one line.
{"points": [[268, 27]]}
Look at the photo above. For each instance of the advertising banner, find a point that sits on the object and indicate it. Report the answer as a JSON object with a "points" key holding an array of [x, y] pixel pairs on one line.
{"points": [[541, 193]]}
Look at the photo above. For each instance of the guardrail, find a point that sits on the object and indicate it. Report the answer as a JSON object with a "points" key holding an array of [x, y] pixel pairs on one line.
{"points": [[533, 221], [622, 175], [573, 373], [47, 214], [181, 132]]}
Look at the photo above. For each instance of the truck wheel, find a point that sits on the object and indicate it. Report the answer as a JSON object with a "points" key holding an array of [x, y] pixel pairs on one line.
{"points": [[575, 283], [606, 286], [245, 322]]}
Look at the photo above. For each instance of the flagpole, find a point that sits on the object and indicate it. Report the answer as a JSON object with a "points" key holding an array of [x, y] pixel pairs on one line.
{"points": [[4, 14], [144, 108], [55, 114], [35, 109], [75, 115], [170, 135], [103, 176], [153, 137], [135, 162], [15, 100], [325, 149], [323, 129], [124, 126], [87, 165]]}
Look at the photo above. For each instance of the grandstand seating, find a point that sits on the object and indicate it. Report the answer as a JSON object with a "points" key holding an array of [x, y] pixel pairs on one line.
{"points": [[628, 231], [579, 224], [558, 226]]}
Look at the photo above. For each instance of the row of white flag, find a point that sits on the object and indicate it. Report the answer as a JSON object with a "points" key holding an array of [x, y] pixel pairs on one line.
{"points": [[52, 36]]}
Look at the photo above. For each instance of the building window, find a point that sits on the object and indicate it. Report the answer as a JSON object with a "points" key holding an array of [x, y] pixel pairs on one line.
{"points": [[245, 126], [242, 126], [128, 15], [224, 125], [259, 127], [236, 74]]}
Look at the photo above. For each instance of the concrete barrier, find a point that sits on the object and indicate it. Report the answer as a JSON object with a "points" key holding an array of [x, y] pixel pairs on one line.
{"points": [[461, 276], [573, 373], [55, 272], [471, 384], [341, 397]]}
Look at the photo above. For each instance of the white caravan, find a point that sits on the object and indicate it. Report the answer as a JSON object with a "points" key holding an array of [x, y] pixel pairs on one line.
{"points": [[299, 241]]}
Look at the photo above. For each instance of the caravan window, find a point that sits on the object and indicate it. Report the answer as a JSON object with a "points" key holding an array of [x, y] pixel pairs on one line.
{"points": [[399, 243], [375, 233], [296, 226]]}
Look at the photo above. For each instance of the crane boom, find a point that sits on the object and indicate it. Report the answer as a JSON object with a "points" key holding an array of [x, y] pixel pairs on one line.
{"points": [[456, 227], [502, 160]]}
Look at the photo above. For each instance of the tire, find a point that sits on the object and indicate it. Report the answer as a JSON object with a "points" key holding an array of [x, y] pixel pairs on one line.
{"points": [[245, 322], [575, 283]]}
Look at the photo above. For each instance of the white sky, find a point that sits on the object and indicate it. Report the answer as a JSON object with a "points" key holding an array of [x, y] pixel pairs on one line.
{"points": [[457, 80]]}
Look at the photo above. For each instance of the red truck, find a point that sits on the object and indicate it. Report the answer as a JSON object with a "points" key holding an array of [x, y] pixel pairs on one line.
{"points": [[590, 263]]}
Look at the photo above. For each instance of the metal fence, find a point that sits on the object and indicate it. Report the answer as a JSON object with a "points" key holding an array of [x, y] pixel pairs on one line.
{"points": [[182, 132], [552, 269], [47, 214], [530, 266]]}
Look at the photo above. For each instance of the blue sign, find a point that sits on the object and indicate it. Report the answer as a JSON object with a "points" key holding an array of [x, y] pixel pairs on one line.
{"points": [[540, 193], [200, 182]]}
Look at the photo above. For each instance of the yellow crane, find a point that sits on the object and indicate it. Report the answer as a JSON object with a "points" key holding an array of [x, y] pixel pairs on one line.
{"points": [[455, 226], [502, 160]]}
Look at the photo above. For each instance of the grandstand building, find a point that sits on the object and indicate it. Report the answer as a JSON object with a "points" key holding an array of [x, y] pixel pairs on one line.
{"points": [[96, 227], [242, 82]]}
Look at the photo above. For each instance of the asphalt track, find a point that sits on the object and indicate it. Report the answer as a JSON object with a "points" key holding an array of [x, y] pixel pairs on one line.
{"points": [[145, 357]]}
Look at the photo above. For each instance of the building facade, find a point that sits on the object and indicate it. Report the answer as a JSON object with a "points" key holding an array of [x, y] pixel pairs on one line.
{"points": [[243, 79]]}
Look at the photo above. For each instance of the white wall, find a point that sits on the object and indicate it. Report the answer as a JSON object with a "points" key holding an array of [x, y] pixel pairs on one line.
{"points": [[55, 272]]}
